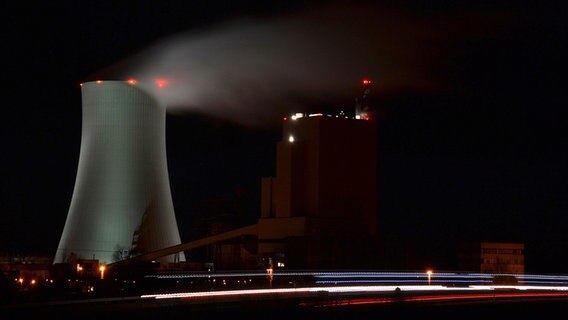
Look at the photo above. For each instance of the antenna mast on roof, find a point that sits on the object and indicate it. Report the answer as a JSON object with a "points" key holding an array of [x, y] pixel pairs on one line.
{"points": [[362, 110]]}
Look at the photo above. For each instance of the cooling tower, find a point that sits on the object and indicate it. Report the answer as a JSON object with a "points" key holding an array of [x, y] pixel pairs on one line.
{"points": [[121, 204]]}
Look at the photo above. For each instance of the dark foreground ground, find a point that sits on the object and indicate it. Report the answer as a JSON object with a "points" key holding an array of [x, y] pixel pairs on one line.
{"points": [[289, 309]]}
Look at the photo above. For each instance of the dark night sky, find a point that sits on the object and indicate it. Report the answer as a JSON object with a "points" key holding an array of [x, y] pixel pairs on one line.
{"points": [[470, 99]]}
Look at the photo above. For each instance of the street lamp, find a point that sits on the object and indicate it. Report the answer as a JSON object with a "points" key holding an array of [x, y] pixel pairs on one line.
{"points": [[102, 269], [270, 272], [429, 274]]}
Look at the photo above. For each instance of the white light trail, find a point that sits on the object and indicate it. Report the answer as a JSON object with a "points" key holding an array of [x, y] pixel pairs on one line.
{"points": [[346, 289]]}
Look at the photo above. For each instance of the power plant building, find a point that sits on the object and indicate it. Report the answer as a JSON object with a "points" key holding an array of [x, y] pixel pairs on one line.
{"points": [[121, 205], [320, 209]]}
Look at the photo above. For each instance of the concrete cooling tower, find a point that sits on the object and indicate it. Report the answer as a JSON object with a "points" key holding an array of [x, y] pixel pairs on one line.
{"points": [[121, 204]]}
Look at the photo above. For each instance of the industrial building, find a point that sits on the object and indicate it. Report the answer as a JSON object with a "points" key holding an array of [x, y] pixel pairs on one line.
{"points": [[320, 209], [492, 257]]}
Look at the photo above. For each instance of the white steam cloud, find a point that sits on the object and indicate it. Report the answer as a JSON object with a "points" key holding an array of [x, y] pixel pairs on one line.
{"points": [[255, 70]]}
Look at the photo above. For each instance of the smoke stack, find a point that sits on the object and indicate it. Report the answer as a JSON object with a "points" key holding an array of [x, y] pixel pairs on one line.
{"points": [[121, 204]]}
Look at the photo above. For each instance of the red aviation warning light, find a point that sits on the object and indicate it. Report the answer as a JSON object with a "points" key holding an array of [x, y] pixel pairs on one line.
{"points": [[366, 81], [160, 82], [132, 81]]}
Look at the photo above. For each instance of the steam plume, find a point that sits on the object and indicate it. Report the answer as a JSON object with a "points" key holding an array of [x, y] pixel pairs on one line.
{"points": [[255, 69]]}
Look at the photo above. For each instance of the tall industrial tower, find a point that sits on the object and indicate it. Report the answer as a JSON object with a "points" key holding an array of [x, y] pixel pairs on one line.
{"points": [[121, 204]]}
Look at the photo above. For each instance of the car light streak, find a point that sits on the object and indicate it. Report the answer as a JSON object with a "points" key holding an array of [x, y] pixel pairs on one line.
{"points": [[347, 289]]}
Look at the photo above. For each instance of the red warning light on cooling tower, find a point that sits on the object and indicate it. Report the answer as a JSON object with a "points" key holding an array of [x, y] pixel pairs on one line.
{"points": [[366, 81], [132, 81], [161, 82]]}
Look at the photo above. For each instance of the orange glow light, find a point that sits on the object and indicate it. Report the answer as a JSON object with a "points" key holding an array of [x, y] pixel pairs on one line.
{"points": [[102, 269], [132, 81], [99, 81]]}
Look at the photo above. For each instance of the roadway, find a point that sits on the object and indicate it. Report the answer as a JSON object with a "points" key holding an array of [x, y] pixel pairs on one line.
{"points": [[330, 295]]}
